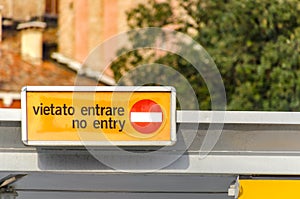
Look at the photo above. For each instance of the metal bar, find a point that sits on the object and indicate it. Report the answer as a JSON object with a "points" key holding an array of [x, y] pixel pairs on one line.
{"points": [[187, 164], [184, 116], [99, 88], [10, 114], [238, 117]]}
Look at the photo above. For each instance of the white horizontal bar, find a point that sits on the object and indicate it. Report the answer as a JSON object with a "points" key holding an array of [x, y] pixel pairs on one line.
{"points": [[10, 95], [238, 117], [100, 88], [226, 117], [10, 114], [222, 164], [146, 117]]}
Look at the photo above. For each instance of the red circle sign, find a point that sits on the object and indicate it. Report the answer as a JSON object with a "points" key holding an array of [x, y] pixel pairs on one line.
{"points": [[146, 116]]}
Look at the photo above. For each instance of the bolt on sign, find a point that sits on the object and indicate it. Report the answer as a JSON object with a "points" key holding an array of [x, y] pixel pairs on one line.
{"points": [[98, 116]]}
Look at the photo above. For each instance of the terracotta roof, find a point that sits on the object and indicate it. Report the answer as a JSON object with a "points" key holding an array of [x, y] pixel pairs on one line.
{"points": [[16, 73]]}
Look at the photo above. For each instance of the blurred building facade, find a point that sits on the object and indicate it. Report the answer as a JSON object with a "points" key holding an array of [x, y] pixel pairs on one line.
{"points": [[83, 24], [23, 10]]}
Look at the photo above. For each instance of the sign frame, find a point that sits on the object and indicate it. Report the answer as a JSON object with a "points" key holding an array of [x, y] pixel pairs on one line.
{"points": [[172, 119]]}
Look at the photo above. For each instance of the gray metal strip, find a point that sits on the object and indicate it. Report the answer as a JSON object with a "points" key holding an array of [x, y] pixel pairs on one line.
{"points": [[116, 195], [125, 182]]}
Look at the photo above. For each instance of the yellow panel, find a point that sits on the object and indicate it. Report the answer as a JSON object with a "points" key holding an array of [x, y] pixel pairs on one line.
{"points": [[273, 189], [55, 116]]}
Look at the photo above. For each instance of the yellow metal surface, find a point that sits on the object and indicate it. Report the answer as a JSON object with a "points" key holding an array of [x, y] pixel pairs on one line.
{"points": [[56, 116], [269, 189]]}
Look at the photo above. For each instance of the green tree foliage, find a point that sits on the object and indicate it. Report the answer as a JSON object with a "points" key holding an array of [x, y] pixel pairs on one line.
{"points": [[254, 43]]}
